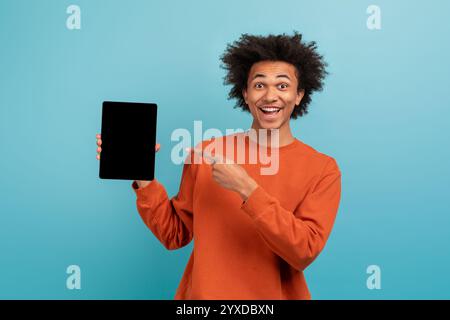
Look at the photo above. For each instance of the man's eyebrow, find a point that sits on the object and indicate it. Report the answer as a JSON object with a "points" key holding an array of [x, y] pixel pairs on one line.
{"points": [[283, 76], [258, 75], [263, 76]]}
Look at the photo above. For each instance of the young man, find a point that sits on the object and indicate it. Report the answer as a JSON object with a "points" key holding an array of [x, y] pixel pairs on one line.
{"points": [[254, 234]]}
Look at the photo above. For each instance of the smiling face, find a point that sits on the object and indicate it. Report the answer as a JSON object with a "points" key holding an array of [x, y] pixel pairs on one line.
{"points": [[271, 94]]}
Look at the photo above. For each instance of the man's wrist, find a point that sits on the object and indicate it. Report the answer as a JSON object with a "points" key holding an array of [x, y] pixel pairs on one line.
{"points": [[249, 186], [142, 184]]}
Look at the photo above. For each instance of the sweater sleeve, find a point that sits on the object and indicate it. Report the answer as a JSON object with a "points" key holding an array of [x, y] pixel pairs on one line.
{"points": [[298, 237], [170, 220]]}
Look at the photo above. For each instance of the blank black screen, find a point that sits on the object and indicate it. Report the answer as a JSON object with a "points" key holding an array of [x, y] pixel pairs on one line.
{"points": [[128, 141]]}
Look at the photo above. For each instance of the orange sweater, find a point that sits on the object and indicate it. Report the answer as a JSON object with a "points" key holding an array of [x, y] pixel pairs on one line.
{"points": [[255, 249]]}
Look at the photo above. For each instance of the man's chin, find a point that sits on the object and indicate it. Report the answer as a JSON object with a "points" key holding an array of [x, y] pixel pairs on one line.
{"points": [[269, 125]]}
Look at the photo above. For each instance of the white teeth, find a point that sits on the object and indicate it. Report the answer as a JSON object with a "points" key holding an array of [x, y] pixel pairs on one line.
{"points": [[270, 109]]}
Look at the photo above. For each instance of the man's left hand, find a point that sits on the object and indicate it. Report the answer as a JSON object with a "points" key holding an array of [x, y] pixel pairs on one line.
{"points": [[229, 174]]}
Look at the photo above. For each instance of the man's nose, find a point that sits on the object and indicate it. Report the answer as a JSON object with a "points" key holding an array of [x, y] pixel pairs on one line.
{"points": [[271, 95]]}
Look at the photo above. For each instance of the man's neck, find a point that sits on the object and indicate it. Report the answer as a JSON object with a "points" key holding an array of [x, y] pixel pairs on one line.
{"points": [[285, 135]]}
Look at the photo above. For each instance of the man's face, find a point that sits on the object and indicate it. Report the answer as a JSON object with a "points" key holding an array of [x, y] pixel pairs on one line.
{"points": [[271, 93]]}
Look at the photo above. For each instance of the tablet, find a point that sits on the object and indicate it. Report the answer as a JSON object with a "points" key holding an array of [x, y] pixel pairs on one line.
{"points": [[128, 141]]}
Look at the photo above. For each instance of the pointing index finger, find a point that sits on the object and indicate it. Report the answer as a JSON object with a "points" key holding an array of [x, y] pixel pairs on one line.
{"points": [[220, 159]]}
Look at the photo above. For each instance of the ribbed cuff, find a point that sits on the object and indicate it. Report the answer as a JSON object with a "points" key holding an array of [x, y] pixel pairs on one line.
{"points": [[151, 192], [256, 203]]}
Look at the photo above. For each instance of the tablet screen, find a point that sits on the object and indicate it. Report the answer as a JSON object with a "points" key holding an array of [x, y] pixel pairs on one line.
{"points": [[128, 141]]}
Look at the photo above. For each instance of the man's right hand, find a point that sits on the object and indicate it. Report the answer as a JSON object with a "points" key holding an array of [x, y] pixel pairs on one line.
{"points": [[140, 183]]}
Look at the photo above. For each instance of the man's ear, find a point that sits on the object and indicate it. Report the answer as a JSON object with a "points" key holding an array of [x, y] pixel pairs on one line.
{"points": [[244, 94], [300, 95]]}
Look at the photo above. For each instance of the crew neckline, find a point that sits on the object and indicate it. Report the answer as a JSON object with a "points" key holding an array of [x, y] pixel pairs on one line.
{"points": [[288, 146], [291, 145]]}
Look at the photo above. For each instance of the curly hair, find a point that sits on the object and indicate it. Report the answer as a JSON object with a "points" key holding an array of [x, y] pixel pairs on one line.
{"points": [[240, 56]]}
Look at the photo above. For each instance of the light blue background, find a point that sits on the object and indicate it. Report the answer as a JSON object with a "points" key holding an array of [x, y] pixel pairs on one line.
{"points": [[383, 115]]}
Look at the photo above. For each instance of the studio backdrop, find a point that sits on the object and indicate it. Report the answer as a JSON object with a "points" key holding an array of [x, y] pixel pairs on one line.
{"points": [[384, 115]]}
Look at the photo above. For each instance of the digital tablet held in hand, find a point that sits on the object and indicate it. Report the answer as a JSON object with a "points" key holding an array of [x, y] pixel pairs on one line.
{"points": [[128, 141]]}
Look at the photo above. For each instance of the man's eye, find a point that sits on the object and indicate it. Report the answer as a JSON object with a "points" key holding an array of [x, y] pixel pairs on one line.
{"points": [[284, 86], [259, 85]]}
